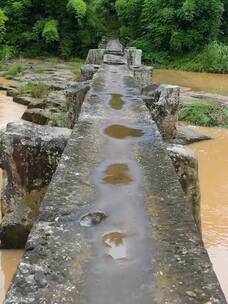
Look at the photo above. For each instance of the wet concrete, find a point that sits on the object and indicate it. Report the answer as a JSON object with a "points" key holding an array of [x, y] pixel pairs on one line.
{"points": [[148, 249]]}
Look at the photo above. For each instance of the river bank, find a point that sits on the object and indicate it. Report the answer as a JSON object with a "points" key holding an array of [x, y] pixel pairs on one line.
{"points": [[196, 86]]}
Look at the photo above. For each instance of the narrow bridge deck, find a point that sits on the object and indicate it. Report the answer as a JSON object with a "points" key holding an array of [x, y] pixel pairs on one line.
{"points": [[147, 250]]}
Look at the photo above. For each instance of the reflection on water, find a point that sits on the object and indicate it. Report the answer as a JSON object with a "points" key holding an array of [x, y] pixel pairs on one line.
{"points": [[122, 132], [9, 259], [116, 102], [117, 174], [116, 245], [208, 82], [213, 173]]}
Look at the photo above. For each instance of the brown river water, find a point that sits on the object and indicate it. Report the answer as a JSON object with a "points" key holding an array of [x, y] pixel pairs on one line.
{"points": [[213, 170], [208, 82]]}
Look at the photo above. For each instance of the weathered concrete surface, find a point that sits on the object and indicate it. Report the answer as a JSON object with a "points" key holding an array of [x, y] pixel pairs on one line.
{"points": [[88, 71], [95, 56], [163, 102], [186, 166], [134, 57], [29, 156], [143, 75], [165, 260]]}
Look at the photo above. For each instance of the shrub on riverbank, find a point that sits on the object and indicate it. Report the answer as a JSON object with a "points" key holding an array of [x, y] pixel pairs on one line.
{"points": [[204, 114], [36, 90], [213, 59], [13, 70]]}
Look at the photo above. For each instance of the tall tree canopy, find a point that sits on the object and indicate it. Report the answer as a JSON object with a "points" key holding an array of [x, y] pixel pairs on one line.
{"points": [[70, 27]]}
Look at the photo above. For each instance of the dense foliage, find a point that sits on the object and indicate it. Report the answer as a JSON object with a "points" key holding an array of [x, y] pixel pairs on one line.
{"points": [[164, 29]]}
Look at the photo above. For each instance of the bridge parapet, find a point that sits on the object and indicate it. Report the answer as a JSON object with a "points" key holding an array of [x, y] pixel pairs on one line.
{"points": [[115, 226]]}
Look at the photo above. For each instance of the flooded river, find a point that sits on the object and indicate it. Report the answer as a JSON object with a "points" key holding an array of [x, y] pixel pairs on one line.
{"points": [[213, 173], [9, 259], [208, 82]]}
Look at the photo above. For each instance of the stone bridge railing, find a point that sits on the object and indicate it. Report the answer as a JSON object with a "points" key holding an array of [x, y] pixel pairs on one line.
{"points": [[163, 260]]}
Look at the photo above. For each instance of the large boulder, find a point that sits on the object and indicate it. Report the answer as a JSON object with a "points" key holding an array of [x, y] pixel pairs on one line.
{"points": [[163, 102], [186, 166], [29, 155]]}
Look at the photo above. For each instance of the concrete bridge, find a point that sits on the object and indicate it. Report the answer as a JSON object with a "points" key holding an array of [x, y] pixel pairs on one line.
{"points": [[115, 226]]}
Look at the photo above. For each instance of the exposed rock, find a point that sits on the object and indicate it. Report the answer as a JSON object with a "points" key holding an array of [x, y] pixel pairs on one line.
{"points": [[75, 96], [88, 70], [114, 59], [186, 166], [163, 102], [186, 135], [45, 117], [29, 156], [134, 57], [95, 56], [143, 75]]}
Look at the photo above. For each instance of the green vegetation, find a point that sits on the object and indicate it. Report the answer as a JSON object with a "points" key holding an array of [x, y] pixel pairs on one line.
{"points": [[14, 70], [204, 114], [184, 34], [36, 90]]}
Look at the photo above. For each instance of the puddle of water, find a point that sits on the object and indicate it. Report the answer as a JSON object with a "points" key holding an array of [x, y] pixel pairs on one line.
{"points": [[92, 219], [122, 132], [213, 174], [208, 82], [116, 245], [117, 174], [9, 259], [116, 102]]}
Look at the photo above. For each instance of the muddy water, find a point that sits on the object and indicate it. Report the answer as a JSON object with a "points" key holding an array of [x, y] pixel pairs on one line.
{"points": [[122, 132], [116, 245], [116, 102], [213, 172], [9, 110], [9, 259], [117, 174], [208, 82]]}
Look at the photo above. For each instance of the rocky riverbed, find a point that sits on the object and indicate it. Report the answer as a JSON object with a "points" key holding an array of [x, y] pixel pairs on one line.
{"points": [[31, 148]]}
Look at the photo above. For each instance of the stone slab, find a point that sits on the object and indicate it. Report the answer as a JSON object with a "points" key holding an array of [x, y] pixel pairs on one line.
{"points": [[165, 260]]}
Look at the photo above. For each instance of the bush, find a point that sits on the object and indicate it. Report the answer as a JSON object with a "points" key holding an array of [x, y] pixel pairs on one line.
{"points": [[204, 114], [14, 70], [6, 52], [36, 90], [214, 59]]}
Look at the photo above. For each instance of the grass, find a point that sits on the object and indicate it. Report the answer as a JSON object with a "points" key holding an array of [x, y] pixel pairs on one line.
{"points": [[14, 70], [36, 90], [204, 114], [76, 64]]}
